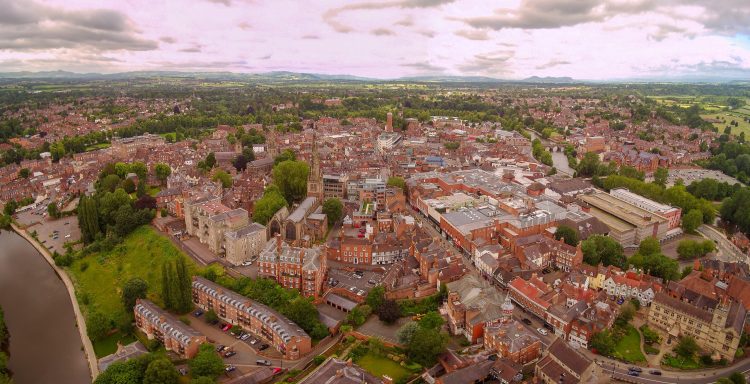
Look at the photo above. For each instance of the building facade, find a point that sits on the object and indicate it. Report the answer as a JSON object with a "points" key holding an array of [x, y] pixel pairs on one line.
{"points": [[158, 324]]}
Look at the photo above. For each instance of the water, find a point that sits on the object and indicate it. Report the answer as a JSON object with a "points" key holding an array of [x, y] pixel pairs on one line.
{"points": [[45, 346], [560, 161]]}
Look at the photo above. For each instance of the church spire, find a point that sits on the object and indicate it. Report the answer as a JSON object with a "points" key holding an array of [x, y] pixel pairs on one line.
{"points": [[315, 179]]}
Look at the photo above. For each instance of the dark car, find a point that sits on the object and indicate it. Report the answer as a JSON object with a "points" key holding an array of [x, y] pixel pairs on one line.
{"points": [[230, 368], [635, 369], [655, 373], [526, 321], [198, 313], [230, 353], [263, 347], [220, 348], [633, 373]]}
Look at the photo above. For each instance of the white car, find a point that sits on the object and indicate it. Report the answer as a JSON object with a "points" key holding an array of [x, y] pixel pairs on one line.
{"points": [[246, 263], [542, 331]]}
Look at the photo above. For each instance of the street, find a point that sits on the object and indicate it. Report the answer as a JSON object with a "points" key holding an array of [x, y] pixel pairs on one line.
{"points": [[727, 251]]}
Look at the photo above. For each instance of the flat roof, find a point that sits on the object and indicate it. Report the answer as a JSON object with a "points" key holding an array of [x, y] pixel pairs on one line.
{"points": [[622, 210]]}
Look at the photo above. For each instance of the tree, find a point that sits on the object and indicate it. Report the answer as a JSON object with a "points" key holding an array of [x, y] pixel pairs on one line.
{"points": [[686, 347], [603, 342], [692, 221], [627, 312], [184, 287], [206, 362], [657, 265], [240, 163], [160, 371], [140, 190], [389, 312], [291, 178], [432, 321], [359, 315], [286, 155], [406, 332], [333, 209], [426, 345], [134, 289], [602, 249], [649, 246], [145, 202], [167, 286], [98, 325], [210, 160], [398, 182], [211, 317], [162, 172], [223, 177], [53, 211], [128, 185], [57, 150], [268, 205], [589, 165], [109, 183], [203, 380], [690, 249], [24, 173], [88, 219], [568, 234], [660, 176], [376, 297]]}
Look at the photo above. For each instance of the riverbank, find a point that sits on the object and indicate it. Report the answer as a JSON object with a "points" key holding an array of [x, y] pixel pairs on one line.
{"points": [[88, 348]]}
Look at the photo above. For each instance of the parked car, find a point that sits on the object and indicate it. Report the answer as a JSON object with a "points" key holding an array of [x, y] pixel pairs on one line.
{"points": [[361, 293], [262, 362], [353, 289], [253, 341], [542, 331], [276, 370], [263, 347], [247, 262], [226, 327], [198, 313], [244, 337], [635, 369], [655, 372], [229, 353], [633, 373], [183, 371], [220, 348], [526, 321], [230, 368]]}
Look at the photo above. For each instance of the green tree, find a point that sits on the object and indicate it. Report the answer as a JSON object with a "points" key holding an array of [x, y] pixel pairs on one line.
{"points": [[286, 155], [432, 321], [140, 169], [603, 249], [140, 190], [109, 183], [203, 380], [389, 312], [134, 289], [291, 178], [568, 234], [660, 176], [24, 173], [686, 347], [206, 362], [223, 177], [160, 371], [128, 185], [98, 325], [211, 317], [53, 211], [240, 163], [692, 221], [426, 345], [406, 332], [57, 150], [398, 182], [649, 246], [603, 342], [184, 287], [162, 172], [88, 219], [376, 297], [167, 286], [333, 209], [268, 205], [210, 160]]}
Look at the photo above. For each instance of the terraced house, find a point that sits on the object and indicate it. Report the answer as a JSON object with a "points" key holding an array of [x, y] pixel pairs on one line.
{"points": [[255, 318], [158, 324]]}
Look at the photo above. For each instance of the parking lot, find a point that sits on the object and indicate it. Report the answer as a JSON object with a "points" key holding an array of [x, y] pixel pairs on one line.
{"points": [[347, 278], [54, 233]]}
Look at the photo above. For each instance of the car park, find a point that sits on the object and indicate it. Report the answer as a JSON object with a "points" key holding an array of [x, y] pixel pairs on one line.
{"points": [[262, 362]]}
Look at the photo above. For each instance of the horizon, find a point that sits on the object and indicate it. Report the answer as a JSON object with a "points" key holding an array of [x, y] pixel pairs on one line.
{"points": [[589, 40]]}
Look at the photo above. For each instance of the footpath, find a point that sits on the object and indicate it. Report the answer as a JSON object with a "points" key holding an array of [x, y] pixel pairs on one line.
{"points": [[88, 348]]}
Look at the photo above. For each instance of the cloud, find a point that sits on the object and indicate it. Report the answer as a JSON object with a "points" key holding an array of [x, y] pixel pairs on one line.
{"points": [[167, 39], [427, 33], [195, 48], [311, 37], [407, 22], [224, 2], [491, 63], [473, 34], [265, 57], [39, 27], [552, 63], [245, 26], [382, 32], [424, 67], [330, 17]]}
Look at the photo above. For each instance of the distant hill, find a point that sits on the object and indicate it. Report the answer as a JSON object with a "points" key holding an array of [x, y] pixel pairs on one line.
{"points": [[548, 80]]}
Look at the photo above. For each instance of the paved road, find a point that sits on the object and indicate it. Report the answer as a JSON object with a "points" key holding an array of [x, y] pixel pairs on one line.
{"points": [[727, 250]]}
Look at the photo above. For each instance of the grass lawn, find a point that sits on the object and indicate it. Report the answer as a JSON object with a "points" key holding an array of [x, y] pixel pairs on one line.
{"points": [[380, 366], [97, 146], [629, 347], [680, 363], [152, 190], [141, 254], [108, 345]]}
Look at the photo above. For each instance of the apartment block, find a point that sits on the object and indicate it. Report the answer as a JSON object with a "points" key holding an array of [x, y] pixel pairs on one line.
{"points": [[158, 324]]}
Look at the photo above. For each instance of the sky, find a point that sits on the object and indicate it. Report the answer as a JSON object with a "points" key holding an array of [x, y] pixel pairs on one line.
{"points": [[509, 39]]}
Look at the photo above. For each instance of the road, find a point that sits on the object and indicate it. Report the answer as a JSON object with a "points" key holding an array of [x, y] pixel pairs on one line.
{"points": [[727, 251]]}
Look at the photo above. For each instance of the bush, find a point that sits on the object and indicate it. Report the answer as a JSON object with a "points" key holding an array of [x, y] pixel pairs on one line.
{"points": [[319, 359]]}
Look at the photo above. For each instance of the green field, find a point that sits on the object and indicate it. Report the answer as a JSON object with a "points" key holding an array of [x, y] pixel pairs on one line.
{"points": [[108, 345], [98, 277], [714, 107], [629, 347], [379, 366], [97, 146]]}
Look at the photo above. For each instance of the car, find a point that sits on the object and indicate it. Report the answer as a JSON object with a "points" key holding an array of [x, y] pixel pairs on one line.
{"points": [[67, 223], [371, 282], [230, 368], [262, 362], [361, 293], [226, 327], [247, 262], [253, 341], [526, 321], [655, 372], [276, 370], [353, 289], [67, 236], [356, 276], [245, 337], [542, 331], [183, 371], [633, 373], [229, 353], [263, 347], [220, 347], [620, 301], [358, 272], [198, 313], [635, 369]]}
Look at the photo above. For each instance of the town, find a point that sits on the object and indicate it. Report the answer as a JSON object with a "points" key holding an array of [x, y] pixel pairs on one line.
{"points": [[535, 234]]}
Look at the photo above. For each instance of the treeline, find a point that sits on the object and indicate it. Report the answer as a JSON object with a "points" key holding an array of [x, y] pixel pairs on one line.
{"points": [[732, 158], [4, 347]]}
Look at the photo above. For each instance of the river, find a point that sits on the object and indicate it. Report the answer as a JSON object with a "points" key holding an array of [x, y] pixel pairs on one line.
{"points": [[45, 346]]}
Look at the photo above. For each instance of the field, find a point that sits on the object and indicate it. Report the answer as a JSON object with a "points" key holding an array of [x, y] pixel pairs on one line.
{"points": [[380, 366], [715, 108], [98, 277], [629, 347], [108, 345]]}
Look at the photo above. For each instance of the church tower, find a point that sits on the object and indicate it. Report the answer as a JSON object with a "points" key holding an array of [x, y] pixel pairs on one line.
{"points": [[315, 179], [271, 148]]}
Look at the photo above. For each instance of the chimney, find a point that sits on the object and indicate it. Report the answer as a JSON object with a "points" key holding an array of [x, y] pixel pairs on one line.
{"points": [[349, 363], [339, 373]]}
